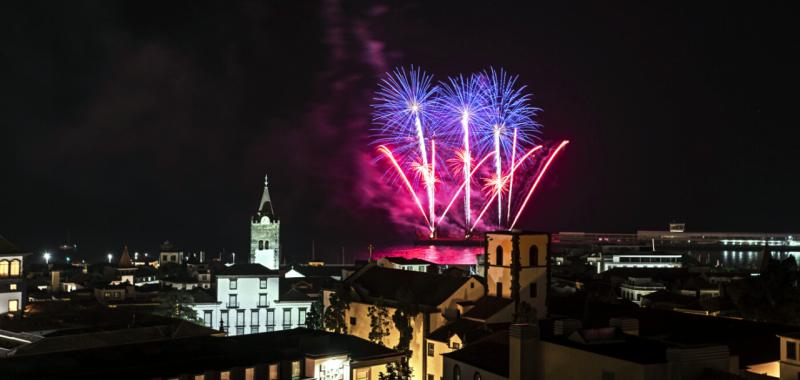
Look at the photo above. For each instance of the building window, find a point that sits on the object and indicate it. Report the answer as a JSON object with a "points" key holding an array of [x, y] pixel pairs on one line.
{"points": [[533, 256], [352, 321], [472, 284], [430, 377], [296, 369], [225, 375], [207, 318], [260, 244], [240, 318], [456, 346], [199, 377], [430, 349], [266, 244], [262, 283], [791, 350], [456, 372], [3, 268], [233, 284], [223, 320], [254, 317], [240, 330], [232, 301], [607, 375], [499, 256], [477, 376], [301, 317], [499, 287], [262, 300], [273, 372], [13, 306], [287, 316], [15, 268], [249, 373], [270, 319], [533, 290], [12, 286]]}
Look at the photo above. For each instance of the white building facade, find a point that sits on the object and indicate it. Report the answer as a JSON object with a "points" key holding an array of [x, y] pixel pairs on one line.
{"points": [[248, 302]]}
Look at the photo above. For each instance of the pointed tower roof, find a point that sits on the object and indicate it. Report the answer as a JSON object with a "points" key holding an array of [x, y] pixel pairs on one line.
{"points": [[125, 259], [265, 207]]}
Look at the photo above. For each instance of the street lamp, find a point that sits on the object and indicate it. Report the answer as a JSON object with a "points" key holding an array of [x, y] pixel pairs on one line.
{"points": [[109, 258], [47, 257]]}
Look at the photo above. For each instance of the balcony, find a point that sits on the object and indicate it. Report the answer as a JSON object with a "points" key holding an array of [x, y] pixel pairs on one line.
{"points": [[232, 305], [266, 304]]}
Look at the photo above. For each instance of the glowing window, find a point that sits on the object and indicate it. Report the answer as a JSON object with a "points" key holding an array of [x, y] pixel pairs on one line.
{"points": [[295, 370], [3, 268], [273, 372], [13, 306]]}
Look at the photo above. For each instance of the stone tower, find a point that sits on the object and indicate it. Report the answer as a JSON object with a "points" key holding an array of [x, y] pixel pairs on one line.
{"points": [[517, 267], [265, 233]]}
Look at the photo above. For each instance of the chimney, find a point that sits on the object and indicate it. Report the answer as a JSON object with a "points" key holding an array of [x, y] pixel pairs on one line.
{"points": [[525, 353]]}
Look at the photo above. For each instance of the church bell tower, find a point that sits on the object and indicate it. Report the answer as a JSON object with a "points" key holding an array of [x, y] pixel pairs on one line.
{"points": [[265, 233]]}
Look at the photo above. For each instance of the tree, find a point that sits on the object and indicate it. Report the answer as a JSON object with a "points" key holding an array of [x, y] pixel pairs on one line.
{"points": [[314, 316], [334, 317], [399, 370], [176, 304], [379, 322], [407, 308]]}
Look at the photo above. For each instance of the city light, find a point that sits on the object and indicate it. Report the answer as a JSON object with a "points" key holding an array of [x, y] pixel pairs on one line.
{"points": [[47, 257], [110, 256]]}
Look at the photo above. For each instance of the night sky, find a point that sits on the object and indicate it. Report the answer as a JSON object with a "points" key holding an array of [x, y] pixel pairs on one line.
{"points": [[136, 122]]}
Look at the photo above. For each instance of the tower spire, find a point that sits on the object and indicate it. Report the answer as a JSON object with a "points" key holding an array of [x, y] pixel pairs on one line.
{"points": [[265, 208]]}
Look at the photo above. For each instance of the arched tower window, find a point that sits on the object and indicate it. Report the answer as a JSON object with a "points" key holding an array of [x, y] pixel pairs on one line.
{"points": [[4, 268], [477, 376], [533, 255], [266, 244], [456, 372], [15, 268], [260, 244], [499, 255]]}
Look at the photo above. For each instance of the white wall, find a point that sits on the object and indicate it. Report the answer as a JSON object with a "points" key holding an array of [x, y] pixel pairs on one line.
{"points": [[248, 289]]}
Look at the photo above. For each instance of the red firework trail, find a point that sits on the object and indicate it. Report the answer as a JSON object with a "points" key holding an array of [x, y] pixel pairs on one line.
{"points": [[503, 183], [474, 169], [538, 178], [388, 153]]}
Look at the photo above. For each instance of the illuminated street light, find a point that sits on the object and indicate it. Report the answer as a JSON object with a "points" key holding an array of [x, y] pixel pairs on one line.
{"points": [[47, 257], [109, 258]]}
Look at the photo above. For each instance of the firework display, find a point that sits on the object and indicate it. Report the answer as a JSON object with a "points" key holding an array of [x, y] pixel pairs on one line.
{"points": [[470, 140]]}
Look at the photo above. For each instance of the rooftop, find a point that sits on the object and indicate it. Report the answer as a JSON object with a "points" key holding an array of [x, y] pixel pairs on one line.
{"points": [[170, 358], [404, 261], [486, 307], [426, 289], [247, 269]]}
